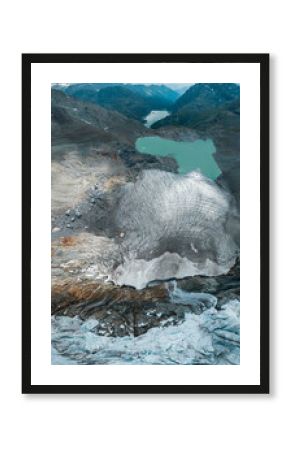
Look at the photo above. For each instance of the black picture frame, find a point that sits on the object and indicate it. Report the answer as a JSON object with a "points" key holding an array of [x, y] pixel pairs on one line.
{"points": [[263, 61]]}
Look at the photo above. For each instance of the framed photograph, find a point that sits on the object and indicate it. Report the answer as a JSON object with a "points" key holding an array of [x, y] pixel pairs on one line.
{"points": [[145, 223]]}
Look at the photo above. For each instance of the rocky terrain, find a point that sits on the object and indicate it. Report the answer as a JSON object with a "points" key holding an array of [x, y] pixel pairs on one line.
{"points": [[78, 290], [91, 144], [136, 246]]}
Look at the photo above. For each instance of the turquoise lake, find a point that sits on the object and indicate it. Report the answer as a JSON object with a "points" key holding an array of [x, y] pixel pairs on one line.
{"points": [[197, 155]]}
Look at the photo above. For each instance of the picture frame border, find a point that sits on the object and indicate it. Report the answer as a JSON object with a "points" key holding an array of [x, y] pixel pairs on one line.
{"points": [[261, 58]]}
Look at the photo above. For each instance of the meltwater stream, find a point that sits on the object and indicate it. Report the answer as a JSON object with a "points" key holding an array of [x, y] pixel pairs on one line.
{"points": [[212, 337]]}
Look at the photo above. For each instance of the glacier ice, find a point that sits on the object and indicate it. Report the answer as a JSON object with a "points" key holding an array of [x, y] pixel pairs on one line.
{"points": [[212, 337], [173, 226]]}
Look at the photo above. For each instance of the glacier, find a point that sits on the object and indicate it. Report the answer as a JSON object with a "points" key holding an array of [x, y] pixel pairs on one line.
{"points": [[172, 226], [212, 337]]}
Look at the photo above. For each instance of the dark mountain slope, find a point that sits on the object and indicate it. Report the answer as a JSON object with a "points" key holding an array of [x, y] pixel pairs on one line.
{"points": [[123, 100], [75, 121], [202, 96], [91, 132], [203, 103], [133, 100]]}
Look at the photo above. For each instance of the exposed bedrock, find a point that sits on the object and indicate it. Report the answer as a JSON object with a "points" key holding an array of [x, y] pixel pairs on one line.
{"points": [[124, 311], [120, 311], [80, 287]]}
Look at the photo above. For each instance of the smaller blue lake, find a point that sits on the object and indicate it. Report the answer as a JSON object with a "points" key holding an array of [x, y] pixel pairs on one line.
{"points": [[197, 155]]}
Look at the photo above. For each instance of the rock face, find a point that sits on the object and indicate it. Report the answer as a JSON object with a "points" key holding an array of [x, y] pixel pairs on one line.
{"points": [[120, 312], [132, 317], [80, 288], [126, 311]]}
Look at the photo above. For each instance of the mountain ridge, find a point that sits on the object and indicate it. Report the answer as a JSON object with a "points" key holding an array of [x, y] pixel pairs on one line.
{"points": [[133, 100]]}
